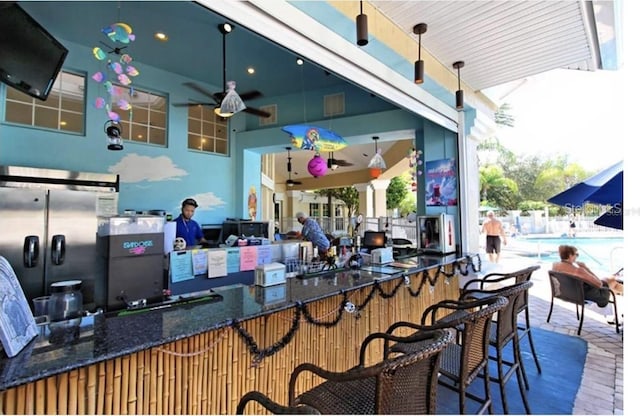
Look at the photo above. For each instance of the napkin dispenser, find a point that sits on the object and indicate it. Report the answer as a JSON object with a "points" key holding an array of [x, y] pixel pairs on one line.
{"points": [[382, 255], [270, 274]]}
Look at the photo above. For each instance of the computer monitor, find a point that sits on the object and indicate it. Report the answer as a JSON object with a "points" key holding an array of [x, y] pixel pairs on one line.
{"points": [[373, 240]]}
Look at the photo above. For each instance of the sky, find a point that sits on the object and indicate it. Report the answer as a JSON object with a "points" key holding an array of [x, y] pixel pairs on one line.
{"points": [[570, 112], [577, 113]]}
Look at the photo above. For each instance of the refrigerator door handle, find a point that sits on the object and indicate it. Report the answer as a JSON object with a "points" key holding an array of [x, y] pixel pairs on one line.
{"points": [[58, 248], [31, 251]]}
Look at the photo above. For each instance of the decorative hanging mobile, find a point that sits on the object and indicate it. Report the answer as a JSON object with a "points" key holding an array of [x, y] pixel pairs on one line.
{"points": [[317, 166], [415, 166], [121, 70]]}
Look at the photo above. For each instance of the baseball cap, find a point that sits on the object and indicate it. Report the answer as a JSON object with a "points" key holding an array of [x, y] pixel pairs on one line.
{"points": [[190, 201]]}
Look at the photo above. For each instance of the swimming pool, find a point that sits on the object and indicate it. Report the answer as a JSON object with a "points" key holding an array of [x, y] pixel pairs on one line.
{"points": [[604, 253]]}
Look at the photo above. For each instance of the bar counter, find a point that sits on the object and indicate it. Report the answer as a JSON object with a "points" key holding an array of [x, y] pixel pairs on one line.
{"points": [[201, 356]]}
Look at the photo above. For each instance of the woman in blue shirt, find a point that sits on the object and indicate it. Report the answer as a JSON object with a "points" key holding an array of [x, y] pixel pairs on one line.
{"points": [[188, 228]]}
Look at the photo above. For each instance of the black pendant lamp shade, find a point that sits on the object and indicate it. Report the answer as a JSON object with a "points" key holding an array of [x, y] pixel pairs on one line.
{"points": [[418, 74], [362, 28], [460, 93]]}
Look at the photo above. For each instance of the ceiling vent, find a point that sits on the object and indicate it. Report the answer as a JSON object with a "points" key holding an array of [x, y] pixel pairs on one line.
{"points": [[334, 104], [273, 118]]}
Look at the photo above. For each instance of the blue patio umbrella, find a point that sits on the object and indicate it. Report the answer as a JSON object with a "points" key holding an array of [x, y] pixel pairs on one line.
{"points": [[605, 187], [613, 218]]}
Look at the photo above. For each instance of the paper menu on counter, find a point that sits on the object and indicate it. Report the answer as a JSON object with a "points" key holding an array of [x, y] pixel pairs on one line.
{"points": [[181, 267], [217, 260], [248, 258], [233, 260], [199, 261], [264, 254]]}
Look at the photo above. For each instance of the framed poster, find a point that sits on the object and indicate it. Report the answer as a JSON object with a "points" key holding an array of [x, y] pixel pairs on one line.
{"points": [[441, 182], [17, 325]]}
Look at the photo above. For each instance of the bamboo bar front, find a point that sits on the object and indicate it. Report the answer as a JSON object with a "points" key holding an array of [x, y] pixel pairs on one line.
{"points": [[209, 372]]}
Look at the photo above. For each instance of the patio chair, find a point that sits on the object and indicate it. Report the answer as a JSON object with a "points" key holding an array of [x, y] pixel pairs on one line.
{"points": [[396, 384], [504, 331], [467, 359], [524, 328], [569, 288]]}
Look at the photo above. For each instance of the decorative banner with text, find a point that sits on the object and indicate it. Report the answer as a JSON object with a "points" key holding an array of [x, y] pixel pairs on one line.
{"points": [[441, 182]]}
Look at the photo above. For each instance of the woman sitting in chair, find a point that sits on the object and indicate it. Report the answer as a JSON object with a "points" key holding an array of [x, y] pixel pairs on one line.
{"points": [[595, 289]]}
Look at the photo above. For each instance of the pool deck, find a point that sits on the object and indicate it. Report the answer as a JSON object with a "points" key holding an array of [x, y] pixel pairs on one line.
{"points": [[602, 387]]}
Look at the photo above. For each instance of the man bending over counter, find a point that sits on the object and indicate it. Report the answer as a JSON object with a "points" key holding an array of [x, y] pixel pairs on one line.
{"points": [[311, 231]]}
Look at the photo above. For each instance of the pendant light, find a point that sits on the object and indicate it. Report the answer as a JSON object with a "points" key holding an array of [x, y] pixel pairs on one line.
{"points": [[377, 164], [362, 28], [418, 75], [460, 93]]}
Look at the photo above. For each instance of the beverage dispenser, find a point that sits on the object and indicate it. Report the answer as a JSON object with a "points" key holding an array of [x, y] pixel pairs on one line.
{"points": [[436, 233]]}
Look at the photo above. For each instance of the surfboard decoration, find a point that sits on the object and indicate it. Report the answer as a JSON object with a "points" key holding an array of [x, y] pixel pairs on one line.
{"points": [[319, 139]]}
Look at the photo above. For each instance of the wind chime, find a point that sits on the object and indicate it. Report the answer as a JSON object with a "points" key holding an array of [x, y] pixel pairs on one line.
{"points": [[415, 167]]}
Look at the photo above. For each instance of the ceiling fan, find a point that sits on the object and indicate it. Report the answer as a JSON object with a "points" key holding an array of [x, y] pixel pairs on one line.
{"points": [[334, 163], [217, 97], [290, 182]]}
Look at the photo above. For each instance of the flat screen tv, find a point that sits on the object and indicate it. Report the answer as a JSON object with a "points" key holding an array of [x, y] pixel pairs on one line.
{"points": [[30, 58]]}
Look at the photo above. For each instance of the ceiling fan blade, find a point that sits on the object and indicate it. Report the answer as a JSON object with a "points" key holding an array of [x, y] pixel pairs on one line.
{"points": [[194, 104], [342, 163], [250, 95], [257, 112], [200, 89]]}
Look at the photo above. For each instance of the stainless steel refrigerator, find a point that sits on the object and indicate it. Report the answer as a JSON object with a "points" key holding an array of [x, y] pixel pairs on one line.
{"points": [[48, 226]]}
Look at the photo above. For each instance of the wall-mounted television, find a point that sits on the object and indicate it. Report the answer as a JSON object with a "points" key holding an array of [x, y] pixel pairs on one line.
{"points": [[30, 58]]}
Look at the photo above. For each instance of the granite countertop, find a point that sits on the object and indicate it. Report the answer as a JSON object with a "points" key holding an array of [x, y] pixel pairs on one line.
{"points": [[102, 337]]}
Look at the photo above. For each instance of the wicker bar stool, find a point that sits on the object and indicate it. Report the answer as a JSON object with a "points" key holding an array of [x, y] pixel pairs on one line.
{"points": [[498, 279], [465, 360], [397, 384], [504, 331]]}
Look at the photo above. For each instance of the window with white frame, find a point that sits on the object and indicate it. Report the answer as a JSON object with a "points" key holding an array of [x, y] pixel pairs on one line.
{"points": [[314, 209], [146, 121], [207, 132], [64, 109]]}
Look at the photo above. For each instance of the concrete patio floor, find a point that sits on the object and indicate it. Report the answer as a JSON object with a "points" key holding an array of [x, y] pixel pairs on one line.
{"points": [[602, 387]]}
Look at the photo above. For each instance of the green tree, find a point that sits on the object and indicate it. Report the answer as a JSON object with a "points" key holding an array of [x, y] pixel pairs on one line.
{"points": [[496, 189], [349, 195], [396, 192]]}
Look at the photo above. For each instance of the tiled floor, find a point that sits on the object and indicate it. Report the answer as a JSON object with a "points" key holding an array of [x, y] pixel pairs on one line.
{"points": [[601, 390]]}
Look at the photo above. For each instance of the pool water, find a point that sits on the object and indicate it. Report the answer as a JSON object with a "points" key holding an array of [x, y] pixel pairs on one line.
{"points": [[604, 253]]}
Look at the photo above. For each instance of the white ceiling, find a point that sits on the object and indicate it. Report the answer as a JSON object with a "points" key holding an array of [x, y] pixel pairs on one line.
{"points": [[501, 41]]}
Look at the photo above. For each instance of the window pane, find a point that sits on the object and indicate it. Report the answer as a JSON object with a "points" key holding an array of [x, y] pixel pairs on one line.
{"points": [[194, 126], [15, 95], [18, 113], [156, 136], [73, 122], [64, 109], [221, 147], [157, 119], [208, 129], [138, 133], [46, 117], [140, 115]]}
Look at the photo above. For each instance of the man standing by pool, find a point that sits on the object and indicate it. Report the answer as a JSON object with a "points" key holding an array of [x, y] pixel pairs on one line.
{"points": [[492, 227]]}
